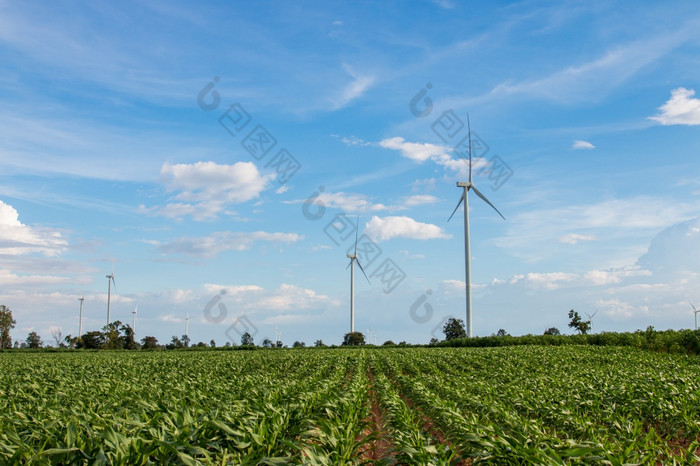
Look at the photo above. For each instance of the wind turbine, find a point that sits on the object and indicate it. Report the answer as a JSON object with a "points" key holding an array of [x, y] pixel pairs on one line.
{"points": [[110, 281], [590, 318], [353, 258], [133, 320], [695, 311], [466, 186], [187, 327], [80, 322]]}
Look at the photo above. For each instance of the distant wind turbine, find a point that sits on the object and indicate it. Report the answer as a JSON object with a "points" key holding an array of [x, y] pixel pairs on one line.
{"points": [[133, 320], [187, 327], [110, 281], [466, 186], [353, 258], [80, 322], [695, 311], [590, 318]]}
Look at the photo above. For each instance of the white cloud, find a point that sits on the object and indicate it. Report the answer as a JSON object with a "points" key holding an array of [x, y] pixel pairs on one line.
{"points": [[257, 299], [382, 229], [578, 145], [17, 238], [206, 188], [172, 318], [350, 203], [420, 152], [218, 242], [354, 89], [681, 109], [8, 278], [420, 199], [574, 238]]}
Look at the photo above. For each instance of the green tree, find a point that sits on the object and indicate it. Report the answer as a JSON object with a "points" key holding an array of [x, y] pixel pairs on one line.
{"points": [[247, 339], [7, 323], [91, 340], [581, 326], [502, 333], [552, 331], [454, 328], [71, 341], [212, 344], [34, 340], [113, 337], [185, 341], [353, 339], [319, 344], [175, 343], [267, 343], [129, 342], [149, 342], [434, 341], [299, 344], [388, 343]]}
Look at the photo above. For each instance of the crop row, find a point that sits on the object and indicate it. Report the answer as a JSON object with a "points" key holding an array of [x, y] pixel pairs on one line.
{"points": [[545, 405]]}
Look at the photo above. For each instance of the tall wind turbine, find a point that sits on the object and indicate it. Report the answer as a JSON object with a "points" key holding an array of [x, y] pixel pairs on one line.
{"points": [[187, 327], [590, 318], [353, 258], [110, 281], [695, 311], [133, 320], [80, 322], [466, 186]]}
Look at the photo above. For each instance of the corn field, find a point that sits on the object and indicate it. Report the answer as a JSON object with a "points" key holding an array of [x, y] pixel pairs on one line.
{"points": [[517, 405]]}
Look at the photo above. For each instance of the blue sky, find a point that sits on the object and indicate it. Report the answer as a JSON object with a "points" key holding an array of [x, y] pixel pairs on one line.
{"points": [[123, 144]]}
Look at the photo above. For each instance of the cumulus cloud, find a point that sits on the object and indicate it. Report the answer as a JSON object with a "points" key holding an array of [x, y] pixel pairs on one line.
{"points": [[205, 189], [578, 145], [218, 242], [676, 249], [382, 229], [420, 152], [17, 238], [681, 109]]}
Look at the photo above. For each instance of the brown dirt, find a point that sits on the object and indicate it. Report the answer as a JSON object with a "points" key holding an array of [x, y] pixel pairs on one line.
{"points": [[380, 449], [429, 426]]}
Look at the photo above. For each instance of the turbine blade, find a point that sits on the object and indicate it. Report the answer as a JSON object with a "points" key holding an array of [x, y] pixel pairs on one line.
{"points": [[349, 264], [458, 204], [487, 201], [694, 309], [363, 271], [357, 227], [114, 283], [469, 130]]}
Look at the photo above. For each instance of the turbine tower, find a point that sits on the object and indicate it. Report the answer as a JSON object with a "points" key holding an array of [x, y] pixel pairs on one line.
{"points": [[695, 311], [466, 186], [590, 318], [353, 258], [187, 327], [133, 320], [80, 322], [110, 281]]}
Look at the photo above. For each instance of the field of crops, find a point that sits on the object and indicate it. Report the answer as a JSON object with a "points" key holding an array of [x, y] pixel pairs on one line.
{"points": [[516, 405]]}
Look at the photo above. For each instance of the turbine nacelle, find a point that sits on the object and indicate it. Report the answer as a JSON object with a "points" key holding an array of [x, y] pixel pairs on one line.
{"points": [[464, 184]]}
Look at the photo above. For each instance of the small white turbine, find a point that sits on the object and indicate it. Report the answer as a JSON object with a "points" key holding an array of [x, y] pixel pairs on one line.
{"points": [[353, 258], [110, 281]]}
